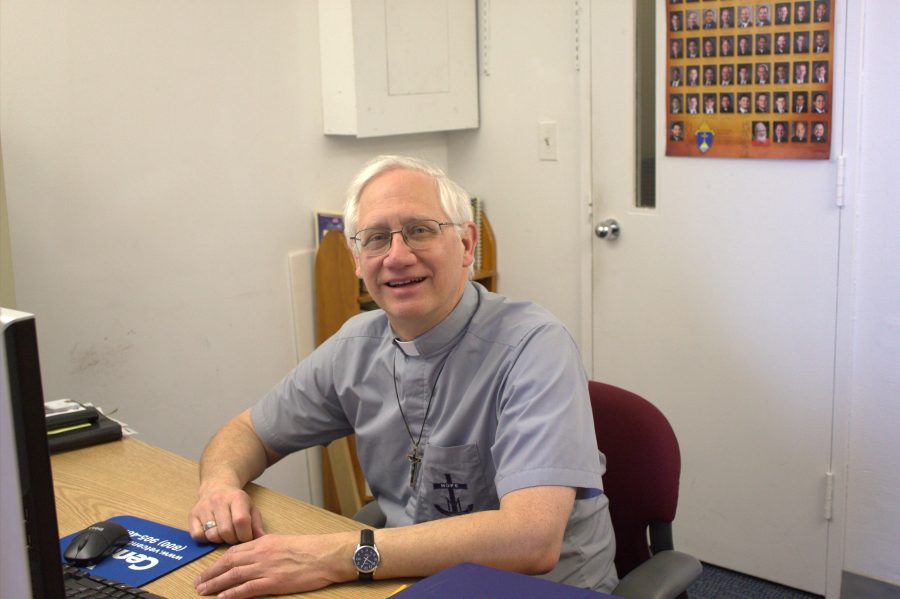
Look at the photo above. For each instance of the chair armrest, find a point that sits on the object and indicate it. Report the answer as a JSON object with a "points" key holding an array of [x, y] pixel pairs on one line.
{"points": [[371, 515], [666, 575]]}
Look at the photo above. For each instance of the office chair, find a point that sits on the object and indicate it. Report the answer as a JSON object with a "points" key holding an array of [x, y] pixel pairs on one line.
{"points": [[643, 465]]}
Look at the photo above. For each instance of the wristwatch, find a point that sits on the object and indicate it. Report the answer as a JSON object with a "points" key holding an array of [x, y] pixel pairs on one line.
{"points": [[366, 557]]}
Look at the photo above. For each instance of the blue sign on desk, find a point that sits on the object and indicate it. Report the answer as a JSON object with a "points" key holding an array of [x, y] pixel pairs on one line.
{"points": [[155, 550]]}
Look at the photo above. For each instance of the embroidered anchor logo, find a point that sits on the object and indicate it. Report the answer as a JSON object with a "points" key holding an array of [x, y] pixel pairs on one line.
{"points": [[454, 506]]}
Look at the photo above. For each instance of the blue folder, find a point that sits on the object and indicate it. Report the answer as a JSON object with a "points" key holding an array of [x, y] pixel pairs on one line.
{"points": [[481, 582]]}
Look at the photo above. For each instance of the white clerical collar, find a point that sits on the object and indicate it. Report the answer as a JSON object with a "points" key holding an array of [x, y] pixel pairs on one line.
{"points": [[407, 347], [446, 331]]}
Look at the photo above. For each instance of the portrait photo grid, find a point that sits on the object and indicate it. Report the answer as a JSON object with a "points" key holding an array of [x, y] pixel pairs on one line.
{"points": [[749, 79]]}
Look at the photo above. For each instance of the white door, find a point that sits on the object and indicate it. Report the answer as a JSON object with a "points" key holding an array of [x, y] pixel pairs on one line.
{"points": [[719, 307]]}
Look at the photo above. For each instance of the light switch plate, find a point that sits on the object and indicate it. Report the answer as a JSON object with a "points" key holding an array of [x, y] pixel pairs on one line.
{"points": [[547, 142]]}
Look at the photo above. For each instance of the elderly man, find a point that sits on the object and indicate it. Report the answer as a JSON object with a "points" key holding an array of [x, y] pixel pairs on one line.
{"points": [[447, 385]]}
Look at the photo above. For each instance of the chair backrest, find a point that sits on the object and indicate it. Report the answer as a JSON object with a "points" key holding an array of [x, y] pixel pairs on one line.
{"points": [[643, 465]]}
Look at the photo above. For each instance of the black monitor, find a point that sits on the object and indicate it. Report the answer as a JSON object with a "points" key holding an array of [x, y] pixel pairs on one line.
{"points": [[30, 564]]}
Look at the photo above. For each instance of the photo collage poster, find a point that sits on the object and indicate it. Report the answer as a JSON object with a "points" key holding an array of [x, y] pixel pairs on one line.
{"points": [[749, 79]]}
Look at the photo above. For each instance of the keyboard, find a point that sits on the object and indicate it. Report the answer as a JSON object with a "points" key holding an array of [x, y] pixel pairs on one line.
{"points": [[81, 585]]}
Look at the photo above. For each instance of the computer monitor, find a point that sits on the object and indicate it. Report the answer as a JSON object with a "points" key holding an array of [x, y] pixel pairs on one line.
{"points": [[30, 564]]}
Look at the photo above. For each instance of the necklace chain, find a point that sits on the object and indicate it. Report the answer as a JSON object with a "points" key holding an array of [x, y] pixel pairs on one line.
{"points": [[415, 460]]}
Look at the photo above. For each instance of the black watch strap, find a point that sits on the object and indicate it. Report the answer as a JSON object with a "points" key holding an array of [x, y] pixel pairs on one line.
{"points": [[367, 537]]}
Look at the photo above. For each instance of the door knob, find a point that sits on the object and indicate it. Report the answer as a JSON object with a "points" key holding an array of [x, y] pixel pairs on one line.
{"points": [[608, 229]]}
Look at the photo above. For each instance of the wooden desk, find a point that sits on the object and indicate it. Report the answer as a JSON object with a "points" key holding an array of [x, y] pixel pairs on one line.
{"points": [[133, 478]]}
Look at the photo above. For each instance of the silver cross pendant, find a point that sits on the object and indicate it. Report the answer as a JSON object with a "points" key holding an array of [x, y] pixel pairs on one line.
{"points": [[414, 462]]}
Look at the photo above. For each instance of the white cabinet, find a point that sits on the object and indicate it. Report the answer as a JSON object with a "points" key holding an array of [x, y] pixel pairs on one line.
{"points": [[398, 66]]}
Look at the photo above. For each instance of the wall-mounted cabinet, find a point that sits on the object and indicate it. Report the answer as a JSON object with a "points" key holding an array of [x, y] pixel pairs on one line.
{"points": [[391, 67]]}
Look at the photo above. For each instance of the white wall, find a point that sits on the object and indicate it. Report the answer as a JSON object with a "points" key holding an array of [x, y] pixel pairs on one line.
{"points": [[534, 205], [163, 158], [873, 500]]}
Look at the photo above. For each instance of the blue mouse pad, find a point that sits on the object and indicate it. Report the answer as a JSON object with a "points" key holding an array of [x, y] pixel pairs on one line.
{"points": [[155, 550]]}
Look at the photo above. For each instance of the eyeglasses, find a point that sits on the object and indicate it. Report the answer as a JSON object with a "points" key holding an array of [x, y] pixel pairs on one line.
{"points": [[418, 235]]}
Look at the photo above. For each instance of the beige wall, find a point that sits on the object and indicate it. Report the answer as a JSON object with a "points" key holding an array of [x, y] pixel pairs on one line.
{"points": [[7, 285]]}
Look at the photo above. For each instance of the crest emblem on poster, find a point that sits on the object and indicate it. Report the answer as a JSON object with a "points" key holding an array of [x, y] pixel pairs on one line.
{"points": [[705, 137]]}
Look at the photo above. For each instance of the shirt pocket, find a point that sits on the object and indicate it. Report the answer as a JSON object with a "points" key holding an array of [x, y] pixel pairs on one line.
{"points": [[453, 481]]}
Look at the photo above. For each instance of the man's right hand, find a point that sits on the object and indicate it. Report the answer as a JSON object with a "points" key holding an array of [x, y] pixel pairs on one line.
{"points": [[232, 511]]}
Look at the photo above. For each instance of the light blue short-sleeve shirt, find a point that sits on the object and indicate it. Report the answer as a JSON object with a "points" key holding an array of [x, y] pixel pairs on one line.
{"points": [[509, 409]]}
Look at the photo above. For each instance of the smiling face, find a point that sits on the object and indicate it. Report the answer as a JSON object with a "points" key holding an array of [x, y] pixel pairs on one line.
{"points": [[416, 289]]}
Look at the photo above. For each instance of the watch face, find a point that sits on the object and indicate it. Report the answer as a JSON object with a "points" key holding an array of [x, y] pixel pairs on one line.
{"points": [[366, 558]]}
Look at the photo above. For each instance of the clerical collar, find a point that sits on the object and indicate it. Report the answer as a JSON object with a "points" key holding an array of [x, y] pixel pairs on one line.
{"points": [[439, 336]]}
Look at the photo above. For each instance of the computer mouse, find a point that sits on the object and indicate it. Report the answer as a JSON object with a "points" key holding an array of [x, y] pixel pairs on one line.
{"points": [[96, 542]]}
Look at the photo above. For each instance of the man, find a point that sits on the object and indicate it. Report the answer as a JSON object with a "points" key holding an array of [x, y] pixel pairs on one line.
{"points": [[675, 49], [782, 45], [820, 72], [762, 102], [693, 48], [821, 12], [675, 104], [677, 133], [783, 14], [709, 47], [801, 43], [446, 383], [693, 104], [744, 18], [762, 74], [801, 12], [744, 45], [762, 44], [760, 133], [693, 76], [781, 73], [675, 21], [762, 16], [779, 133], [743, 74], [820, 43], [819, 106], [709, 75], [709, 103], [725, 103], [801, 71], [818, 134], [781, 103], [744, 103], [709, 19], [726, 18], [726, 46], [692, 21], [799, 102], [726, 76], [799, 132]]}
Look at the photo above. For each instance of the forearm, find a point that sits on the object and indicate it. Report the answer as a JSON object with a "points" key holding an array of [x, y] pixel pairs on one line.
{"points": [[524, 535], [234, 456]]}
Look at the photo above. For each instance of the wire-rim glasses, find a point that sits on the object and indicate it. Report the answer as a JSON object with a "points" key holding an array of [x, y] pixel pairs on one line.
{"points": [[418, 235]]}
